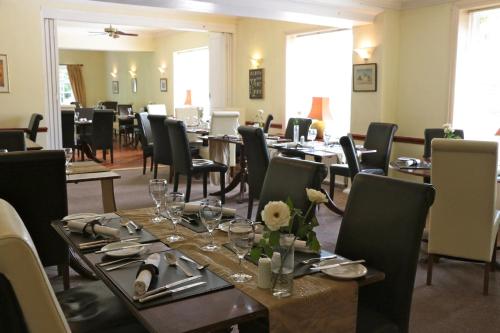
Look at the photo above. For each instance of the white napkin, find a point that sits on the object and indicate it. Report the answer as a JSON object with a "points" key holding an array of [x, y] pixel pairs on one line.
{"points": [[300, 245], [194, 207], [79, 225], [141, 283], [80, 216]]}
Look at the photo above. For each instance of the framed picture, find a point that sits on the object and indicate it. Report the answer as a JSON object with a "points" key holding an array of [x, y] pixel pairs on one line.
{"points": [[163, 85], [4, 74], [256, 83], [134, 85], [115, 86], [364, 77]]}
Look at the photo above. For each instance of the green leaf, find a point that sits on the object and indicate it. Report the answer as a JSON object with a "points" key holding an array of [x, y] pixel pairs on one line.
{"points": [[289, 203], [314, 222], [303, 231], [315, 246], [274, 238], [268, 251], [255, 253]]}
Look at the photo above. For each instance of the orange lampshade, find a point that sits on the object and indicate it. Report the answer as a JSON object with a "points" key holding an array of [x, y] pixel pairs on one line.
{"points": [[320, 106], [498, 132], [188, 97]]}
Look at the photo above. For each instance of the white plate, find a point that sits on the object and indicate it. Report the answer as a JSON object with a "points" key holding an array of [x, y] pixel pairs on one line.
{"points": [[346, 272], [80, 216], [124, 252]]}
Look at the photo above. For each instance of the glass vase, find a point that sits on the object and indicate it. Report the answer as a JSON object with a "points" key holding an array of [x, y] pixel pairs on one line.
{"points": [[282, 267]]}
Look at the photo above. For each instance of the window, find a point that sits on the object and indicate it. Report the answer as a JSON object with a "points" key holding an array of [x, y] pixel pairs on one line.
{"points": [[477, 88], [191, 74], [65, 91], [320, 65]]}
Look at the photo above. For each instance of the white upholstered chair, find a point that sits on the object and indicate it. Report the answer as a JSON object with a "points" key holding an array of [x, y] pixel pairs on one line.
{"points": [[464, 220], [187, 114], [157, 109]]}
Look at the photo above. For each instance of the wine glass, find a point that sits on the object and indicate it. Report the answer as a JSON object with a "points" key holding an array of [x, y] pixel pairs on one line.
{"points": [[326, 138], [210, 215], [157, 190], [241, 234], [175, 208], [311, 134], [68, 154]]}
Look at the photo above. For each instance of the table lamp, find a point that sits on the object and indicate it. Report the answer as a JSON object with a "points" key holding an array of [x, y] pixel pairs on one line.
{"points": [[320, 106], [188, 97], [498, 132]]}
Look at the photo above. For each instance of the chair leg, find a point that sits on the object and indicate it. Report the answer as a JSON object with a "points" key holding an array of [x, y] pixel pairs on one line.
{"points": [[430, 261], [222, 187], [144, 161], [63, 269], [155, 173], [176, 182], [332, 185], [111, 153], [171, 172], [104, 154], [188, 188], [250, 207], [486, 281], [205, 182], [151, 167]]}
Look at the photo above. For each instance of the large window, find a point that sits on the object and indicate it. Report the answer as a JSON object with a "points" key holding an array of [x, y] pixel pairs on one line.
{"points": [[477, 85], [65, 91], [191, 74], [320, 65]]}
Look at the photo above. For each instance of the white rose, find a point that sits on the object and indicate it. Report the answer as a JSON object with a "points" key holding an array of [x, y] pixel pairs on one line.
{"points": [[316, 196], [275, 215]]}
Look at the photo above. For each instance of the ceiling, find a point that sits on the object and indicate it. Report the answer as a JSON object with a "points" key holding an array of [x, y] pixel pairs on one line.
{"points": [[79, 28]]}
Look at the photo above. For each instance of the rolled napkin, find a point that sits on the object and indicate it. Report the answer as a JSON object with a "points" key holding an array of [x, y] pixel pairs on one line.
{"points": [[146, 272], [194, 207], [300, 245], [87, 226]]}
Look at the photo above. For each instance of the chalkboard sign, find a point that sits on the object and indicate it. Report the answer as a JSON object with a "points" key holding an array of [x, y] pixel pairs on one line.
{"points": [[256, 83]]}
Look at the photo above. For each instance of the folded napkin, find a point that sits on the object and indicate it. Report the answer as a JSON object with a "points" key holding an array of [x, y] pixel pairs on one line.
{"points": [[300, 245], [85, 226], [146, 272], [194, 207], [80, 216]]}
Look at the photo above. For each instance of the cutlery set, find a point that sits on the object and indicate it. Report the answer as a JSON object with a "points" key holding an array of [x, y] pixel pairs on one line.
{"points": [[102, 242], [345, 263], [166, 289]]}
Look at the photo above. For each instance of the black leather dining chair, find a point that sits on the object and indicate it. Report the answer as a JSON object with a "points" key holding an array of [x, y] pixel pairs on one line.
{"points": [[12, 140], [184, 163], [267, 124], [288, 178], [101, 136], [379, 137], [33, 126], [146, 139], [304, 124], [87, 113], [433, 133], [110, 105], [383, 224], [162, 152], [125, 126], [257, 161], [68, 128]]}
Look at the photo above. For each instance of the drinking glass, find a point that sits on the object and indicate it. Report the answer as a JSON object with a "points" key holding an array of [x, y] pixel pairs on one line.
{"points": [[68, 154], [326, 138], [241, 234], [175, 208], [157, 190], [311, 134], [210, 215]]}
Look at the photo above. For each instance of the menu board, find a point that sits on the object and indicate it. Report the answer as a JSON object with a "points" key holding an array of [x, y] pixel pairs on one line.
{"points": [[256, 83]]}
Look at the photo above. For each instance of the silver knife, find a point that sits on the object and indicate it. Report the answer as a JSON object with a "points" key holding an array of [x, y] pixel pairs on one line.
{"points": [[170, 292], [345, 263], [133, 224], [167, 286], [184, 267], [122, 248]]}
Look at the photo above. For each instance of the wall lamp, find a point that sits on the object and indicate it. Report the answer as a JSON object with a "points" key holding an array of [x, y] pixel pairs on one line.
{"points": [[365, 53], [162, 69]]}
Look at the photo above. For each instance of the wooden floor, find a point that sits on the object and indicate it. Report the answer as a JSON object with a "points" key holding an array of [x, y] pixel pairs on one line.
{"points": [[124, 157]]}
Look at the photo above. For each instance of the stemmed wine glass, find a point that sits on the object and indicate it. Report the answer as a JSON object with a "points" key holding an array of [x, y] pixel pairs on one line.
{"points": [[210, 215], [157, 190], [311, 134], [68, 154], [175, 208], [241, 234]]}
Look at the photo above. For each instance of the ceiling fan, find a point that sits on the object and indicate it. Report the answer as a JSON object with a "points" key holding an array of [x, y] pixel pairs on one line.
{"points": [[113, 32]]}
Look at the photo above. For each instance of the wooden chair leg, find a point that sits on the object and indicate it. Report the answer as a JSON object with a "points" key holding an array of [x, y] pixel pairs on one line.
{"points": [[188, 188], [63, 269], [151, 167], [332, 185], [250, 207], [171, 172], [176, 182], [144, 161], [486, 281], [430, 261], [155, 172], [494, 256], [111, 154], [222, 187], [205, 181], [104, 154]]}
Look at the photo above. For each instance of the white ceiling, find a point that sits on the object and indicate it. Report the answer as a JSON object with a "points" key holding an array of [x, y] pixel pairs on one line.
{"points": [[79, 28]]}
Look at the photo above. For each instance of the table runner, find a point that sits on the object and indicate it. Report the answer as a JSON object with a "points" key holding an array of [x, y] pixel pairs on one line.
{"points": [[85, 167], [318, 303]]}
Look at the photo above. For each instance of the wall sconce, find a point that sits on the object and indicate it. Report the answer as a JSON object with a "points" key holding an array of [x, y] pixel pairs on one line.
{"points": [[256, 62], [113, 74], [162, 69], [132, 73], [365, 53]]}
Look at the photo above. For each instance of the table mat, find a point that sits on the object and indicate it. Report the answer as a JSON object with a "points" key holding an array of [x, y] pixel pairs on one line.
{"points": [[124, 278], [85, 167]]}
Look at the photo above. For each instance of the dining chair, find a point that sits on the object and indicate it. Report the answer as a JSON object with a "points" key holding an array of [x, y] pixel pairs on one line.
{"points": [[12, 140], [379, 137], [157, 109], [224, 123], [187, 114], [34, 183], [464, 221], [184, 164], [434, 133], [33, 125], [304, 124], [146, 139], [110, 105], [383, 223], [29, 303], [162, 152], [257, 161], [125, 126], [267, 124], [87, 113], [102, 132], [288, 178]]}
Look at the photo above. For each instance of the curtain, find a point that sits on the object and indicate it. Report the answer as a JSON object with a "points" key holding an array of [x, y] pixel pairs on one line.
{"points": [[220, 45], [77, 83]]}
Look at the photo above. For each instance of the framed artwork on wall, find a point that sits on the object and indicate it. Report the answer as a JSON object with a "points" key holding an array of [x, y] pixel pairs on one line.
{"points": [[134, 85], [163, 85], [364, 77], [4, 74], [115, 87], [256, 83]]}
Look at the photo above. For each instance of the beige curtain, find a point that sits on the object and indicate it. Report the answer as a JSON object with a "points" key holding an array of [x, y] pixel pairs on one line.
{"points": [[77, 83]]}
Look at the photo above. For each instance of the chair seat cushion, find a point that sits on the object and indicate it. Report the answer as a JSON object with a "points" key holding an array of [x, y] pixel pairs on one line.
{"points": [[213, 167], [371, 321], [339, 169], [374, 171], [94, 308]]}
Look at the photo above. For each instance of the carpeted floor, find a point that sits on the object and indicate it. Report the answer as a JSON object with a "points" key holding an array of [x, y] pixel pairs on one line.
{"points": [[454, 303]]}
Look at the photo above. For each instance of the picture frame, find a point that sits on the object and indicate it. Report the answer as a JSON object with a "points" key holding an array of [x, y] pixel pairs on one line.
{"points": [[256, 83], [134, 85], [115, 87], [4, 74], [364, 77], [163, 85]]}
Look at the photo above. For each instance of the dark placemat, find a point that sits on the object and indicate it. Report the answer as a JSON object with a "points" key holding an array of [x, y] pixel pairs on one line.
{"points": [[112, 221], [299, 268], [124, 279]]}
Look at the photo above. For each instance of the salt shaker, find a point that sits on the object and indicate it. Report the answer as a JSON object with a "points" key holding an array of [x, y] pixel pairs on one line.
{"points": [[302, 140], [264, 273]]}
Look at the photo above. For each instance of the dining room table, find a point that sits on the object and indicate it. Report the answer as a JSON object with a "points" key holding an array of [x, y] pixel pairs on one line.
{"points": [[84, 126], [318, 303], [32, 145]]}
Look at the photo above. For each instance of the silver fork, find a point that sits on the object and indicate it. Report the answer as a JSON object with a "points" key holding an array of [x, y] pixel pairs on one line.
{"points": [[123, 265], [198, 266], [311, 260]]}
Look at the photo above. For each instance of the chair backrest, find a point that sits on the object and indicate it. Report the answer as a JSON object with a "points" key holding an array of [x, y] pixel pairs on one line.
{"points": [[433, 133], [123, 109], [179, 144], [110, 105], [87, 113], [68, 128], [379, 137], [350, 155], [162, 152], [102, 129], [304, 124], [187, 114], [33, 126], [257, 157], [34, 183], [12, 140], [145, 127], [267, 124], [29, 305], [464, 174], [157, 109], [383, 223], [224, 123], [289, 177]]}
